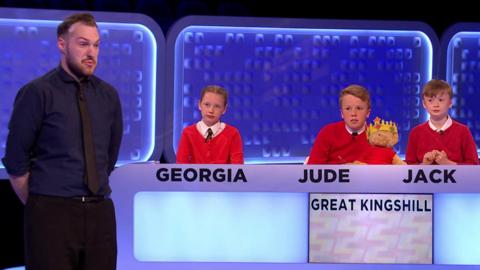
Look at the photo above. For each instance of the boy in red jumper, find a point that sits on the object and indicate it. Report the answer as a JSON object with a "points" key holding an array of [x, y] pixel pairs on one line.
{"points": [[345, 141], [440, 140], [210, 141]]}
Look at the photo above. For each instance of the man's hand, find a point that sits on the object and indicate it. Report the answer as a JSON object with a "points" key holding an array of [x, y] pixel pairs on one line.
{"points": [[20, 186]]}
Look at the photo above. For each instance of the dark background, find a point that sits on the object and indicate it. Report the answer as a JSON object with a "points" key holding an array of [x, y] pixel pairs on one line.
{"points": [[166, 12]]}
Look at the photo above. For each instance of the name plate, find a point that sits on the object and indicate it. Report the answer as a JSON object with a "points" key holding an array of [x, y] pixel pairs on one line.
{"points": [[305, 178], [364, 189]]}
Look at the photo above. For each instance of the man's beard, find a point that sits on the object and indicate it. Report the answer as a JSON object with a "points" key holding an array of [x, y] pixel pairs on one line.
{"points": [[77, 70]]}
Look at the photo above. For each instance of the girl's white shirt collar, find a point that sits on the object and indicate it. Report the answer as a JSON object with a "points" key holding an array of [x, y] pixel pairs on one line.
{"points": [[216, 128]]}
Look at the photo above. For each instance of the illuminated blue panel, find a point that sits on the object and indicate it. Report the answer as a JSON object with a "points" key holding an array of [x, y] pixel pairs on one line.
{"points": [[456, 231], [127, 60], [221, 227], [456, 221], [284, 82], [463, 73]]}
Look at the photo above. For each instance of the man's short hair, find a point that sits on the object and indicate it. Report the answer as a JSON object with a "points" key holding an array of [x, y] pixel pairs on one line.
{"points": [[85, 18], [356, 91], [435, 87]]}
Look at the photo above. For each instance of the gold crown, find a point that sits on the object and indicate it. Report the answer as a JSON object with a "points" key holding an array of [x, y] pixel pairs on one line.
{"points": [[382, 125]]}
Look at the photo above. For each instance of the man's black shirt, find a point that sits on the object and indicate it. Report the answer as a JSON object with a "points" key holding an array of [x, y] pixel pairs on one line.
{"points": [[45, 134]]}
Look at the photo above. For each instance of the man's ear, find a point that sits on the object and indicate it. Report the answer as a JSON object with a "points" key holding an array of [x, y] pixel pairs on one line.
{"points": [[61, 44]]}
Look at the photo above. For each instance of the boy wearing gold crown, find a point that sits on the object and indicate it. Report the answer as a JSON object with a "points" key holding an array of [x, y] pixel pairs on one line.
{"points": [[344, 141], [440, 140]]}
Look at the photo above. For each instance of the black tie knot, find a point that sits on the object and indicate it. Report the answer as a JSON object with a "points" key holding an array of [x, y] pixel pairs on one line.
{"points": [[209, 135]]}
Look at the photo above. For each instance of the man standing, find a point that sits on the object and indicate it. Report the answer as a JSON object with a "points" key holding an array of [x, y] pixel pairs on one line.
{"points": [[63, 143]]}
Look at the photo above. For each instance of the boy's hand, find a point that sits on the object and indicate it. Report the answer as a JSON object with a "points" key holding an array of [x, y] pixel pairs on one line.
{"points": [[429, 157], [442, 158]]}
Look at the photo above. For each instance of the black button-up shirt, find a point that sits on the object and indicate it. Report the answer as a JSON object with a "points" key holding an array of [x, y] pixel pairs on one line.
{"points": [[45, 134]]}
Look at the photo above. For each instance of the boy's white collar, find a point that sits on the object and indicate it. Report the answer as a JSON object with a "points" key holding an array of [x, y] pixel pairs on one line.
{"points": [[447, 124], [358, 132]]}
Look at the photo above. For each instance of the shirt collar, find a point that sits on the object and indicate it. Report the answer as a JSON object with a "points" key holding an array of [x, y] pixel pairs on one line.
{"points": [[360, 131], [67, 77], [217, 128], [447, 124]]}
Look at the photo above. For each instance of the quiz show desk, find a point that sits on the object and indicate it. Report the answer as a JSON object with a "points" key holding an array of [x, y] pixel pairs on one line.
{"points": [[173, 216]]}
